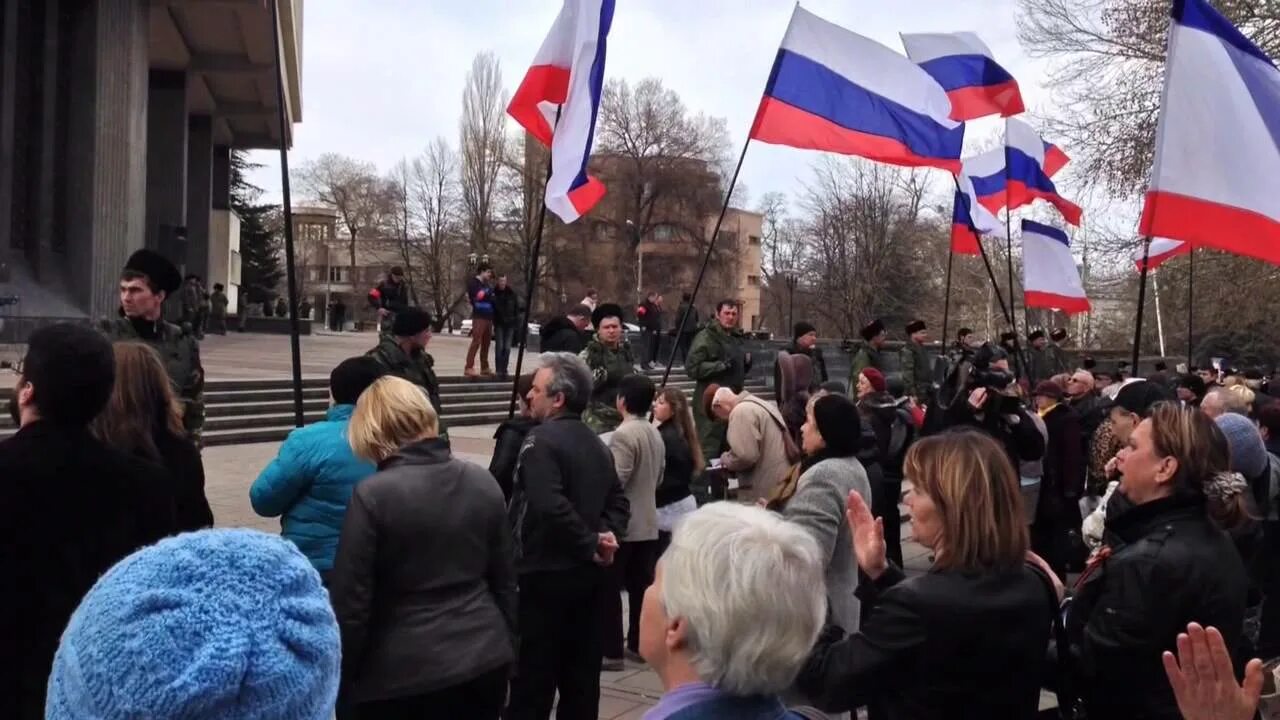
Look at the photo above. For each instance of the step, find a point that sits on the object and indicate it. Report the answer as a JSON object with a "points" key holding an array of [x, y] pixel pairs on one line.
{"points": [[253, 396], [222, 409]]}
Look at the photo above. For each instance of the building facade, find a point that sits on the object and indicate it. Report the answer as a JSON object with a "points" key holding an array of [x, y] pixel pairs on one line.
{"points": [[117, 119]]}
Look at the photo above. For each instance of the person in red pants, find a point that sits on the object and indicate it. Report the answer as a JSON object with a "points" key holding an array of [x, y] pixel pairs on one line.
{"points": [[479, 293]]}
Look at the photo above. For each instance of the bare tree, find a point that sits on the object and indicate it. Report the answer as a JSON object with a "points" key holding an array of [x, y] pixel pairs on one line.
{"points": [[666, 166], [482, 139], [351, 187], [1107, 77], [437, 202]]}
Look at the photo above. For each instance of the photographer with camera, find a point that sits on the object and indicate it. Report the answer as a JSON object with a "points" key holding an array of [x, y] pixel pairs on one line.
{"points": [[980, 392]]}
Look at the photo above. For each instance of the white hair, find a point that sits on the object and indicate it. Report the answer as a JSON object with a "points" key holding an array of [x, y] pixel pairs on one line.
{"points": [[723, 396], [750, 587]]}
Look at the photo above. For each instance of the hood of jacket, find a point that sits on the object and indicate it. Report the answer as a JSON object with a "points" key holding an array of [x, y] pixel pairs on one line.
{"points": [[556, 325]]}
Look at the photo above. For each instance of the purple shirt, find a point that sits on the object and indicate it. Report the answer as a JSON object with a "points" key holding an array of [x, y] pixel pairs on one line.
{"points": [[680, 698]]}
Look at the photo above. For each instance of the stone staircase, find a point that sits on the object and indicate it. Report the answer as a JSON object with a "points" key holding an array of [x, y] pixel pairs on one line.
{"points": [[250, 411]]}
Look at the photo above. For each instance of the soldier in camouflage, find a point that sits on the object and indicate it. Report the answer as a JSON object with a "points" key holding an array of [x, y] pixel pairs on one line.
{"points": [[718, 356], [146, 281], [917, 366], [608, 355], [869, 354], [403, 353]]}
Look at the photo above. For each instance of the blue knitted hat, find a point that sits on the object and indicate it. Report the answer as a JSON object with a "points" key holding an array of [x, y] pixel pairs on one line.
{"points": [[212, 624], [1248, 453]]}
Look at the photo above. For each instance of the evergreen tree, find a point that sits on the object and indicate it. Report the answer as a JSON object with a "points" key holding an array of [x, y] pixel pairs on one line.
{"points": [[260, 267]]}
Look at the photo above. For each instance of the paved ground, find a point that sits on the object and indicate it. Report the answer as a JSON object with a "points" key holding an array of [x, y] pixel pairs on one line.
{"points": [[230, 470], [251, 355]]}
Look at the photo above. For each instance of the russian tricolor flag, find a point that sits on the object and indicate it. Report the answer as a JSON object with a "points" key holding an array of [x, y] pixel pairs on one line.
{"points": [[568, 72], [1161, 251], [1029, 159], [1217, 161], [834, 90], [1049, 275], [965, 68]]}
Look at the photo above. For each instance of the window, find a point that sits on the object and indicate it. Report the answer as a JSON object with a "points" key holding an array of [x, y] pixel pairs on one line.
{"points": [[340, 274], [753, 280], [753, 239], [233, 272], [662, 233], [313, 274]]}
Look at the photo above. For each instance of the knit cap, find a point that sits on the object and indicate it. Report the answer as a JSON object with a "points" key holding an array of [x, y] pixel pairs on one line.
{"points": [[212, 624], [1248, 453]]}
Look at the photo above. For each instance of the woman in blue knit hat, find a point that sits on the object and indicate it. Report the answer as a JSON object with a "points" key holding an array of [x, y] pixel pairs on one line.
{"points": [[203, 626]]}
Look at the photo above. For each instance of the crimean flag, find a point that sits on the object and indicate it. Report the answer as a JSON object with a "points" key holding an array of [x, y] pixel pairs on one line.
{"points": [[1217, 160], [567, 75], [1050, 278]]}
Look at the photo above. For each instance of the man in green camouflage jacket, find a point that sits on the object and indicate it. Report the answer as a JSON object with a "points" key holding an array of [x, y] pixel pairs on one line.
{"points": [[147, 280], [917, 367], [717, 356], [403, 353], [608, 355], [869, 354]]}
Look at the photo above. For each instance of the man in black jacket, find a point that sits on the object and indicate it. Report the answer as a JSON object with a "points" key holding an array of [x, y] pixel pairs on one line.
{"points": [[391, 296], [804, 341], [569, 333], [70, 507], [567, 512], [507, 319], [649, 315], [1058, 512]]}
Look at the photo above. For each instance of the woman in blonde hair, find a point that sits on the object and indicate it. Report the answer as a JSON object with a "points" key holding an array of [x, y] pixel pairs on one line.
{"points": [[423, 583], [963, 639], [1166, 562], [143, 418], [672, 412]]}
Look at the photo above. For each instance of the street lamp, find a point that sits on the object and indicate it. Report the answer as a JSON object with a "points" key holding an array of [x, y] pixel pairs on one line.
{"points": [[791, 277]]}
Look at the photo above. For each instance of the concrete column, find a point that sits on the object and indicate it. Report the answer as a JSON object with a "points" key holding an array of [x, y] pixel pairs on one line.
{"points": [[8, 99], [47, 223], [167, 138], [199, 192], [221, 177], [106, 146]]}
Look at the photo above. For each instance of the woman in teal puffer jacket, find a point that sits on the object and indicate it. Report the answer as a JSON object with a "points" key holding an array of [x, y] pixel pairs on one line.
{"points": [[310, 481]]}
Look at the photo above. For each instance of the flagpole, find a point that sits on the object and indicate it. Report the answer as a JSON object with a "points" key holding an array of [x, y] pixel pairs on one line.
{"points": [[995, 285], [706, 260], [295, 347], [946, 302], [1008, 234], [1191, 303], [532, 280], [1155, 289], [1142, 299]]}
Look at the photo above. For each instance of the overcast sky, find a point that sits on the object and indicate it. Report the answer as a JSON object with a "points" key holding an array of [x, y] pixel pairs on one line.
{"points": [[381, 78]]}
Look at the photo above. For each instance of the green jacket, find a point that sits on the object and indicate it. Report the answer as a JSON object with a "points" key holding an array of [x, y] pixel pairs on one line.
{"points": [[218, 303], [717, 356], [866, 357], [180, 353], [608, 367], [418, 368], [917, 370]]}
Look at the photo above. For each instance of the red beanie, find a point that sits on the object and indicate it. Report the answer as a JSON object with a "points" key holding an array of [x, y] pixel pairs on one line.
{"points": [[876, 378]]}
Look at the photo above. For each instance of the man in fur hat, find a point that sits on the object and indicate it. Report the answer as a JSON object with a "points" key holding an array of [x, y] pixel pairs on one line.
{"points": [[868, 355], [608, 355], [146, 281], [917, 367]]}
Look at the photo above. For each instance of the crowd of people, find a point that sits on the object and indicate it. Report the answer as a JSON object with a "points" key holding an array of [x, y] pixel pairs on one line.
{"points": [[1112, 540]]}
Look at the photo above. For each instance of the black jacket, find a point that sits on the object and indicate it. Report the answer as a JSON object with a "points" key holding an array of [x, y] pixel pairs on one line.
{"points": [[506, 307], [1168, 565], [566, 493], [814, 354], [651, 318], [181, 458], [561, 335], [679, 468], [393, 296], [70, 508], [423, 585], [893, 428], [1022, 440], [940, 645], [1064, 458], [506, 450]]}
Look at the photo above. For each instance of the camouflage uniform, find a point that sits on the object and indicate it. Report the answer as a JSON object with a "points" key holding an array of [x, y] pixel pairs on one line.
{"points": [[608, 367], [917, 371], [418, 368], [867, 356], [180, 353], [716, 357]]}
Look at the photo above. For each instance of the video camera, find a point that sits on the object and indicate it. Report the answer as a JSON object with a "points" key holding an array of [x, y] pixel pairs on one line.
{"points": [[968, 369]]}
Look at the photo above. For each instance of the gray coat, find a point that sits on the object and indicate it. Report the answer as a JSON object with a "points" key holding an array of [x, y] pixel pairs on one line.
{"points": [[819, 507], [423, 583]]}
